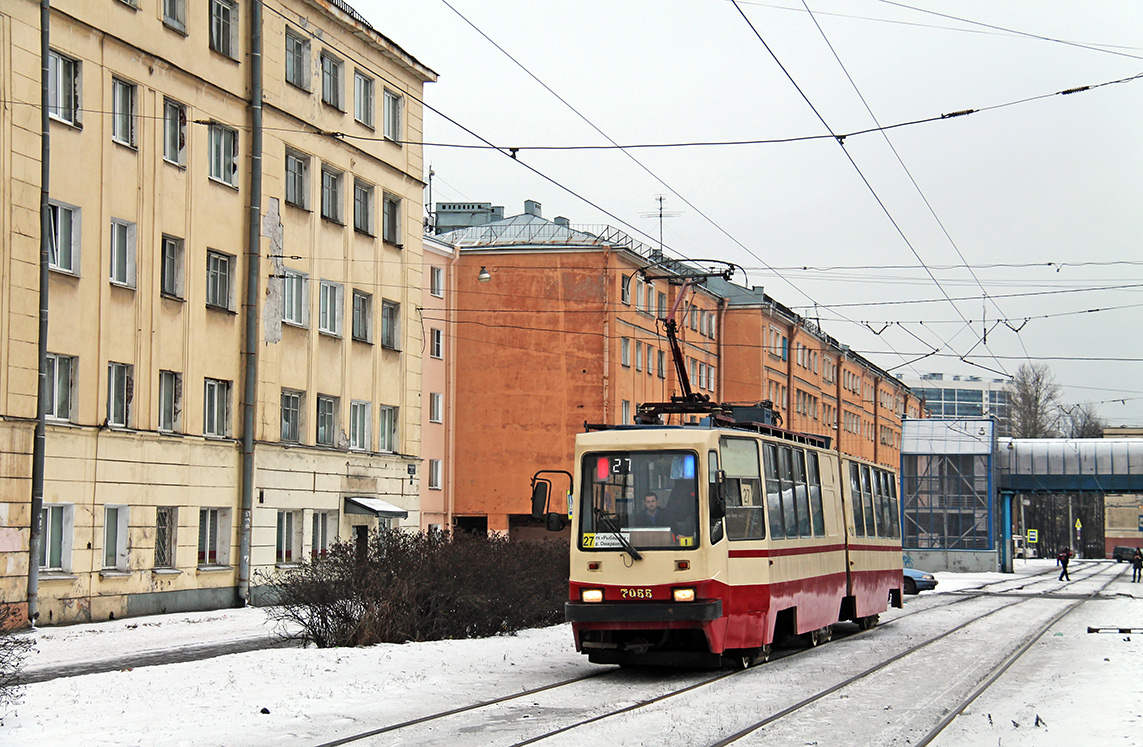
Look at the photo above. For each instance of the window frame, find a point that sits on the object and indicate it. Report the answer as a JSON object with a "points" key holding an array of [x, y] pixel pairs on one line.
{"points": [[115, 532], [360, 422], [295, 298], [219, 270], [214, 543], [171, 253], [394, 105], [223, 28], [363, 98], [363, 207], [319, 533], [122, 254], [170, 398], [325, 433], [297, 60], [174, 131], [124, 102], [331, 308], [391, 219], [331, 208], [291, 405], [436, 343], [53, 543], [297, 179], [332, 80], [435, 474], [222, 154], [216, 408], [166, 537], [390, 325], [64, 82], [120, 393], [388, 428], [56, 209], [54, 380], [174, 14], [362, 316], [436, 281], [289, 534], [436, 407]]}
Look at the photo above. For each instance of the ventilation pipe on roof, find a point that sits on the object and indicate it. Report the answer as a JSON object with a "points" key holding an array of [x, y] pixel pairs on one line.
{"points": [[531, 207], [559, 220]]}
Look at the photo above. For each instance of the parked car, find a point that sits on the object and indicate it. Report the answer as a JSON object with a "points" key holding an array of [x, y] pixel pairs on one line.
{"points": [[918, 581], [1123, 553]]}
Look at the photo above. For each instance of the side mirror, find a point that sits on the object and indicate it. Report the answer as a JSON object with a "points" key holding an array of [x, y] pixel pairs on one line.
{"points": [[555, 522], [540, 492], [718, 496]]}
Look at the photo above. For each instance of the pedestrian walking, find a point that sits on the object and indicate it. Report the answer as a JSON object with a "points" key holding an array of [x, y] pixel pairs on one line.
{"points": [[1136, 566], [1062, 560]]}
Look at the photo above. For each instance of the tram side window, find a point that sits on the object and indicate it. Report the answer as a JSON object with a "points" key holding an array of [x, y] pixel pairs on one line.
{"points": [[815, 481], [875, 486], [896, 513], [855, 499], [716, 529], [801, 493], [786, 475], [889, 491], [774, 493], [743, 489], [867, 503], [885, 524]]}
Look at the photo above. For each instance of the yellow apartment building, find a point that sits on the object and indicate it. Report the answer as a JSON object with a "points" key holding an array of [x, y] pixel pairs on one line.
{"points": [[202, 431]]}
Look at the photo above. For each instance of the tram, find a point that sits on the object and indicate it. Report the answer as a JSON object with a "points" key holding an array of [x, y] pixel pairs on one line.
{"points": [[705, 544]]}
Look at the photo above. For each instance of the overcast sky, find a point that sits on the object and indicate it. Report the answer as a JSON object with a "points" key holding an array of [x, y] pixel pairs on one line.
{"points": [[1050, 183]]}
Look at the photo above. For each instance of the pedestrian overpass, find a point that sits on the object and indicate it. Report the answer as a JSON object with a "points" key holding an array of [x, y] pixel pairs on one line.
{"points": [[1029, 466], [958, 481]]}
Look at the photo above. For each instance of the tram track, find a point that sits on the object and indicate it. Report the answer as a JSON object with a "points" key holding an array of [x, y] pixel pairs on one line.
{"points": [[512, 715]]}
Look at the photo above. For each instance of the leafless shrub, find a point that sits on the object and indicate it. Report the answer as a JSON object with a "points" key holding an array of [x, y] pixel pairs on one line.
{"points": [[419, 587], [14, 647]]}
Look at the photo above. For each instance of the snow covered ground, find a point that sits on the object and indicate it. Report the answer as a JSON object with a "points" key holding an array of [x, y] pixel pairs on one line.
{"points": [[1083, 687]]}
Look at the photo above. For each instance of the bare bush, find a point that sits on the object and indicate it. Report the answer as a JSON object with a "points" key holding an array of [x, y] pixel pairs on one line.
{"points": [[419, 587], [14, 647]]}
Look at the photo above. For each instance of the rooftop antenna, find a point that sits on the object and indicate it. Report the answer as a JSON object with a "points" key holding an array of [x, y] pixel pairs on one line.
{"points": [[661, 213], [430, 217]]}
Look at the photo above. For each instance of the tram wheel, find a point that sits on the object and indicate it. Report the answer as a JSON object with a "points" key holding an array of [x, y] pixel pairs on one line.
{"points": [[819, 636], [865, 623]]}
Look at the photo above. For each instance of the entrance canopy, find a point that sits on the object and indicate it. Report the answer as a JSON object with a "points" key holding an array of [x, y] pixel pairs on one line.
{"points": [[370, 506]]}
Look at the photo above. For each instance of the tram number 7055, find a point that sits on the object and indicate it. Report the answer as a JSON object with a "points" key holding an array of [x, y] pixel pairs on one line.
{"points": [[635, 593]]}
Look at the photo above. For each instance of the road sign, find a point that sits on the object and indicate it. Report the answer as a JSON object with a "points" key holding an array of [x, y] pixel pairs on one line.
{"points": [[1034, 536], [1141, 522], [1078, 525]]}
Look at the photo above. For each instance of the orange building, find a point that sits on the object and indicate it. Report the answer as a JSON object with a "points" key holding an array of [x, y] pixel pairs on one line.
{"points": [[556, 327]]}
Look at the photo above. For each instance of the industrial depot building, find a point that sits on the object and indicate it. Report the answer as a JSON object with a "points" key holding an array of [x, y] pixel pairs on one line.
{"points": [[221, 407]]}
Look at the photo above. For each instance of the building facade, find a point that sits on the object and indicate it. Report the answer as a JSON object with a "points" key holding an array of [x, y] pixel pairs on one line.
{"points": [[562, 326], [966, 397], [157, 496]]}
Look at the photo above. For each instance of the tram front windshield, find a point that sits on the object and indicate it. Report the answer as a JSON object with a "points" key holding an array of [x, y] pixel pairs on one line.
{"points": [[645, 499]]}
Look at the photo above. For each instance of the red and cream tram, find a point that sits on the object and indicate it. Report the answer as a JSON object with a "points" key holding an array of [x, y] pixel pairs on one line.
{"points": [[705, 544]]}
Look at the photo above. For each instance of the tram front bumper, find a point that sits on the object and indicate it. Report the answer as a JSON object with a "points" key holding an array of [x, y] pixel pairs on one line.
{"points": [[581, 612]]}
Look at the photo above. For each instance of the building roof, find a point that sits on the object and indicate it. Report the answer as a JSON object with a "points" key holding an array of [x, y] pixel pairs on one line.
{"points": [[521, 230]]}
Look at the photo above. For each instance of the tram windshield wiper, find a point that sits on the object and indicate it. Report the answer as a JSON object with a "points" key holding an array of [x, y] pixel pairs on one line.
{"points": [[601, 517]]}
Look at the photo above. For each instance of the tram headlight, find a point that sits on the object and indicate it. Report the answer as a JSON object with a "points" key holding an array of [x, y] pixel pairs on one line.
{"points": [[591, 595], [683, 595]]}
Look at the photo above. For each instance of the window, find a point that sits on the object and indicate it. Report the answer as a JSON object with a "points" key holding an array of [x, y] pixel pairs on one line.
{"points": [[392, 115], [662, 365], [122, 253], [331, 302], [289, 536], [63, 253], [625, 289], [434, 474], [662, 303], [224, 27], [115, 537], [123, 112], [436, 343], [63, 88], [638, 295], [390, 325], [175, 14], [362, 316], [363, 98], [391, 219], [60, 369], [291, 416], [625, 351], [213, 527], [638, 356], [330, 194], [363, 207], [171, 278], [216, 408], [387, 433], [436, 282], [297, 180], [218, 279], [174, 132], [436, 407], [295, 298], [170, 401], [297, 60], [326, 420], [625, 412], [223, 154], [331, 80], [319, 544], [120, 391], [166, 525], [55, 537], [360, 416]]}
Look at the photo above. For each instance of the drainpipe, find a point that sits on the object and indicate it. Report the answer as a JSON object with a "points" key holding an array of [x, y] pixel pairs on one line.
{"points": [[35, 538], [250, 306]]}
